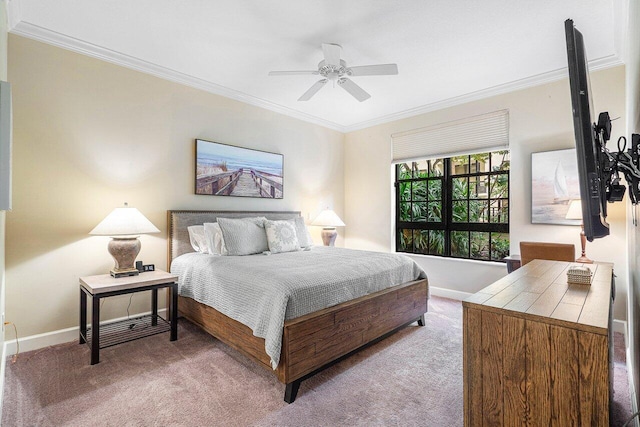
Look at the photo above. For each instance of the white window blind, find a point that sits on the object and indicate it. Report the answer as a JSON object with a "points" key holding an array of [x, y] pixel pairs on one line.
{"points": [[477, 134]]}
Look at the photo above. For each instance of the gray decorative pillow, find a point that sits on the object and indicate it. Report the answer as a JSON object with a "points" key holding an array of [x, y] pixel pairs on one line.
{"points": [[304, 238], [281, 236], [244, 236]]}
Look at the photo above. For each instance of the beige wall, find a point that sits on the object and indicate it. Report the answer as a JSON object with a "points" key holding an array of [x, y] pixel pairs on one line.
{"points": [[90, 135], [540, 120], [3, 76]]}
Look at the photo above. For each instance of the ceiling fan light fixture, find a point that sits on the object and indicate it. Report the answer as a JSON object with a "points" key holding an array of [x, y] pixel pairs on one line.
{"points": [[332, 72], [334, 69]]}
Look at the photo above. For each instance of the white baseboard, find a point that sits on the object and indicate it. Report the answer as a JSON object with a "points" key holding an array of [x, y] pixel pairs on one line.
{"points": [[632, 389], [448, 293], [621, 326], [3, 364], [35, 342]]}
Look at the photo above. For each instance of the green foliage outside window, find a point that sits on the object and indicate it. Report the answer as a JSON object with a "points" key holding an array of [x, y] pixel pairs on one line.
{"points": [[457, 207]]}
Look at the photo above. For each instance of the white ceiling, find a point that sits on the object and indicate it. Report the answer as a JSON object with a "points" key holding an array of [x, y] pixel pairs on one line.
{"points": [[447, 51]]}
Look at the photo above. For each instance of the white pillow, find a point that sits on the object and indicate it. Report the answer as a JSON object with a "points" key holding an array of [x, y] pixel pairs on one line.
{"points": [[198, 239], [244, 236], [214, 238], [304, 238], [281, 236]]}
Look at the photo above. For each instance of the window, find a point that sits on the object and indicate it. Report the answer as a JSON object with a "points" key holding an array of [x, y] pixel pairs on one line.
{"points": [[454, 207]]}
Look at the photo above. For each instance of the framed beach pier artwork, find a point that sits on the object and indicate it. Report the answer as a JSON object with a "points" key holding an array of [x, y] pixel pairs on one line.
{"points": [[226, 170], [554, 183]]}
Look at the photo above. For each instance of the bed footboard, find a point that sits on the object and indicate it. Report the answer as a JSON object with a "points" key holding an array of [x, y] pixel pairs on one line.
{"points": [[314, 340], [317, 340]]}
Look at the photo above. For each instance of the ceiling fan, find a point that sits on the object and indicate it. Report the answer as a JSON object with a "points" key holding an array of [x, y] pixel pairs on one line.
{"points": [[334, 69]]}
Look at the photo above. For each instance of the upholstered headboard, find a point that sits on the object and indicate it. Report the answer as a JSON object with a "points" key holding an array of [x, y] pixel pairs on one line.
{"points": [[178, 221]]}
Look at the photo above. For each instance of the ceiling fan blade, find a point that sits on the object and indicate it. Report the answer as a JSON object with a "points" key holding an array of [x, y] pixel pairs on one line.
{"points": [[292, 73], [356, 91], [312, 90], [331, 53], [374, 70]]}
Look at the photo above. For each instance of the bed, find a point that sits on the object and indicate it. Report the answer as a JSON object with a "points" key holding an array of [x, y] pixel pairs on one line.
{"points": [[309, 342]]}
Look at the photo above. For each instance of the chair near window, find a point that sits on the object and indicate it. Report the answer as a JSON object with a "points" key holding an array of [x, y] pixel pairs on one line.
{"points": [[543, 250]]}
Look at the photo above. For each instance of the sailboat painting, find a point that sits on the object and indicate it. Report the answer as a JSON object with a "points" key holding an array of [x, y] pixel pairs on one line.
{"points": [[560, 190], [554, 183]]}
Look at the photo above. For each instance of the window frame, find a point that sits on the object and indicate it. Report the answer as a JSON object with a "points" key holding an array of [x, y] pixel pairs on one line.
{"points": [[447, 225]]}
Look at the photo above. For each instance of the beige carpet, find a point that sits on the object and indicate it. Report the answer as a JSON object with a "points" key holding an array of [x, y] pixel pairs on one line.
{"points": [[413, 378]]}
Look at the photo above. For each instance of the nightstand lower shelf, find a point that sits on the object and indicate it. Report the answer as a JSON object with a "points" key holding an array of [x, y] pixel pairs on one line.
{"points": [[129, 329]]}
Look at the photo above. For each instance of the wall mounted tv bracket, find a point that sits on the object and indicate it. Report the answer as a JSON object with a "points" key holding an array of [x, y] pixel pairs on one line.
{"points": [[625, 161]]}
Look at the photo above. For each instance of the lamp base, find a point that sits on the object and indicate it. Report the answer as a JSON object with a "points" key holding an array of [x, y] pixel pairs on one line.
{"points": [[583, 246], [584, 260], [124, 251], [117, 274], [329, 235]]}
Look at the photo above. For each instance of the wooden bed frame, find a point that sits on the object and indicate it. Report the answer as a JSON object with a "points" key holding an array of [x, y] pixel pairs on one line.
{"points": [[312, 342]]}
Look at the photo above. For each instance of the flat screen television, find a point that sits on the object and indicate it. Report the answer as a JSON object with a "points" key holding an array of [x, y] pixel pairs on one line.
{"points": [[589, 139]]}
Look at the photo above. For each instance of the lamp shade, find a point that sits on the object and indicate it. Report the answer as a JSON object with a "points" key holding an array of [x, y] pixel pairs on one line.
{"points": [[575, 210], [328, 218], [124, 222]]}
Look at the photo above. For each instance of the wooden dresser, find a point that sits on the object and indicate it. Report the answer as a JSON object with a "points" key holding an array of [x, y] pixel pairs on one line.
{"points": [[537, 350]]}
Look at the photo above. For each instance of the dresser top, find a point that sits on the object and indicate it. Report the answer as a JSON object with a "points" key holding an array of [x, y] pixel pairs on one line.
{"points": [[540, 290]]}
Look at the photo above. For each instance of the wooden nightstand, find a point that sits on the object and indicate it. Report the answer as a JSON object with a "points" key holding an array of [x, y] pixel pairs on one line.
{"points": [[103, 286]]}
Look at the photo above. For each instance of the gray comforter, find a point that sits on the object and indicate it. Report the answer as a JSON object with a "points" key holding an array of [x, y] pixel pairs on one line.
{"points": [[261, 291]]}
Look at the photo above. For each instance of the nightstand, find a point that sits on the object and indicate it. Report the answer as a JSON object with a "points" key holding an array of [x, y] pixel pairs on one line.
{"points": [[111, 333]]}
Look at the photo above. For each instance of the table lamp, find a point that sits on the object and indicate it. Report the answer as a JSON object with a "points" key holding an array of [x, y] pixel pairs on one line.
{"points": [[575, 212], [124, 225], [328, 220]]}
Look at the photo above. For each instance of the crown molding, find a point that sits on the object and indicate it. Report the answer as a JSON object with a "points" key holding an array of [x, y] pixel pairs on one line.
{"points": [[44, 35], [621, 27], [537, 80], [14, 12]]}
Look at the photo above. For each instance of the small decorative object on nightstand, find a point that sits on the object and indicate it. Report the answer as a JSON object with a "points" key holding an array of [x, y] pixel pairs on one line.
{"points": [[124, 225], [328, 220]]}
